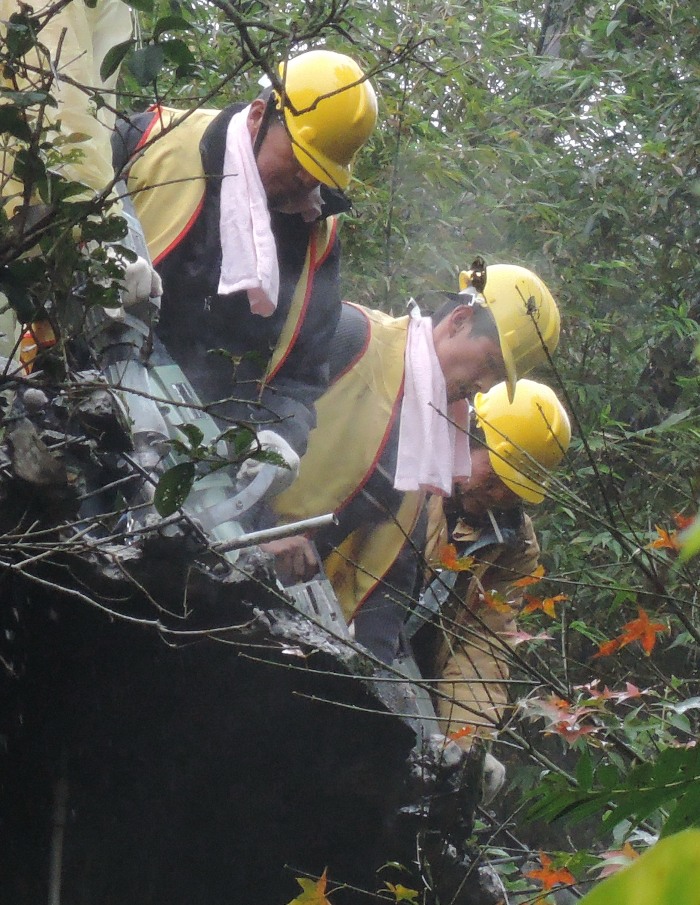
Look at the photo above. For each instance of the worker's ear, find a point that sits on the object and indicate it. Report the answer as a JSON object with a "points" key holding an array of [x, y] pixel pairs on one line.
{"points": [[255, 117], [460, 318]]}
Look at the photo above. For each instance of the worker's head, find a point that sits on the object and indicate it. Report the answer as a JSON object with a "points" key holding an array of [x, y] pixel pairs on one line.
{"points": [[468, 348], [309, 132], [525, 313], [518, 444]]}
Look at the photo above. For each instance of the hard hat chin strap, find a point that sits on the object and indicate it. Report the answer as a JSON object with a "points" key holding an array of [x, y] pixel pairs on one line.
{"points": [[472, 296], [267, 116]]}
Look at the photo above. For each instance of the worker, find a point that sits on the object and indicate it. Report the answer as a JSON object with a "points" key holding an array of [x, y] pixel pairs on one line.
{"points": [[239, 209], [462, 629], [392, 428], [70, 45]]}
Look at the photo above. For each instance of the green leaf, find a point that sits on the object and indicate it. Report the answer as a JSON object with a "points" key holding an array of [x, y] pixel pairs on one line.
{"points": [[28, 98], [666, 874], [169, 23], [584, 771], [193, 434], [176, 51], [114, 58], [147, 63], [20, 33], [685, 814], [173, 488], [13, 123], [239, 439], [143, 6]]}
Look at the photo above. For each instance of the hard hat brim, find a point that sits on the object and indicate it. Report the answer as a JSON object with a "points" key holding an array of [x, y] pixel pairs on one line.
{"points": [[515, 480], [509, 362], [326, 171]]}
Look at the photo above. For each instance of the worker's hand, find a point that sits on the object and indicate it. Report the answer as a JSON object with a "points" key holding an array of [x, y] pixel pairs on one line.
{"points": [[140, 282], [271, 442], [493, 778], [295, 558]]}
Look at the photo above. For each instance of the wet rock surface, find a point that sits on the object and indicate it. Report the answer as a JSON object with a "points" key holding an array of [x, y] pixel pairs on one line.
{"points": [[174, 730]]}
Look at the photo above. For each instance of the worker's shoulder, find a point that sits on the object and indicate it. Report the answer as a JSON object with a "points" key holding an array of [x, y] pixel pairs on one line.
{"points": [[134, 130], [375, 317]]}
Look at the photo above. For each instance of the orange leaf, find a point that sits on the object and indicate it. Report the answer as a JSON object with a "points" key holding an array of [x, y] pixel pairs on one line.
{"points": [[570, 732], [665, 540], [533, 578], [642, 630], [547, 605], [461, 733], [497, 602], [449, 559], [548, 875], [531, 605], [639, 629], [683, 521], [608, 648], [313, 891]]}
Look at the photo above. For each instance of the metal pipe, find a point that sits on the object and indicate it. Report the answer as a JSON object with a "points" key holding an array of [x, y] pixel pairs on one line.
{"points": [[268, 534]]}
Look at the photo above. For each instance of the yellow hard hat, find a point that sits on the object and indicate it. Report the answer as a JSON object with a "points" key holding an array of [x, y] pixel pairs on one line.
{"points": [[332, 114], [525, 438], [526, 315]]}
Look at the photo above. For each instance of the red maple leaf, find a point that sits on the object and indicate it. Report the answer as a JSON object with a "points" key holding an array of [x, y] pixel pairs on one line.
{"points": [[570, 732], [546, 604], [556, 711], [532, 578], [683, 521], [497, 602], [596, 694], [548, 875], [607, 648], [461, 733], [642, 630], [639, 629], [449, 559], [666, 540]]}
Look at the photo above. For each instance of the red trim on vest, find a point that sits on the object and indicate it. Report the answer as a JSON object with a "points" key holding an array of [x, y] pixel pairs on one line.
{"points": [[392, 419], [181, 235], [330, 243], [156, 109], [374, 586], [313, 267]]}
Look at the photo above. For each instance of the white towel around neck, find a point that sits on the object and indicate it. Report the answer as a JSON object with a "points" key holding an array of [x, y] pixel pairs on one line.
{"points": [[248, 248], [433, 447]]}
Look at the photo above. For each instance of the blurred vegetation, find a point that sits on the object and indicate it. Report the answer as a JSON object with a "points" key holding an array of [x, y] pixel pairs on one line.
{"points": [[562, 136]]}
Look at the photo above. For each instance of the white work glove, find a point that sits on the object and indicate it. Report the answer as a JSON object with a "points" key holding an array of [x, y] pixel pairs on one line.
{"points": [[285, 474], [493, 778], [140, 282]]}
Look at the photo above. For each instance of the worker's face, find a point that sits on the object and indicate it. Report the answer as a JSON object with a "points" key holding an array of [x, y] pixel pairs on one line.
{"points": [[483, 489], [285, 181], [470, 363]]}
